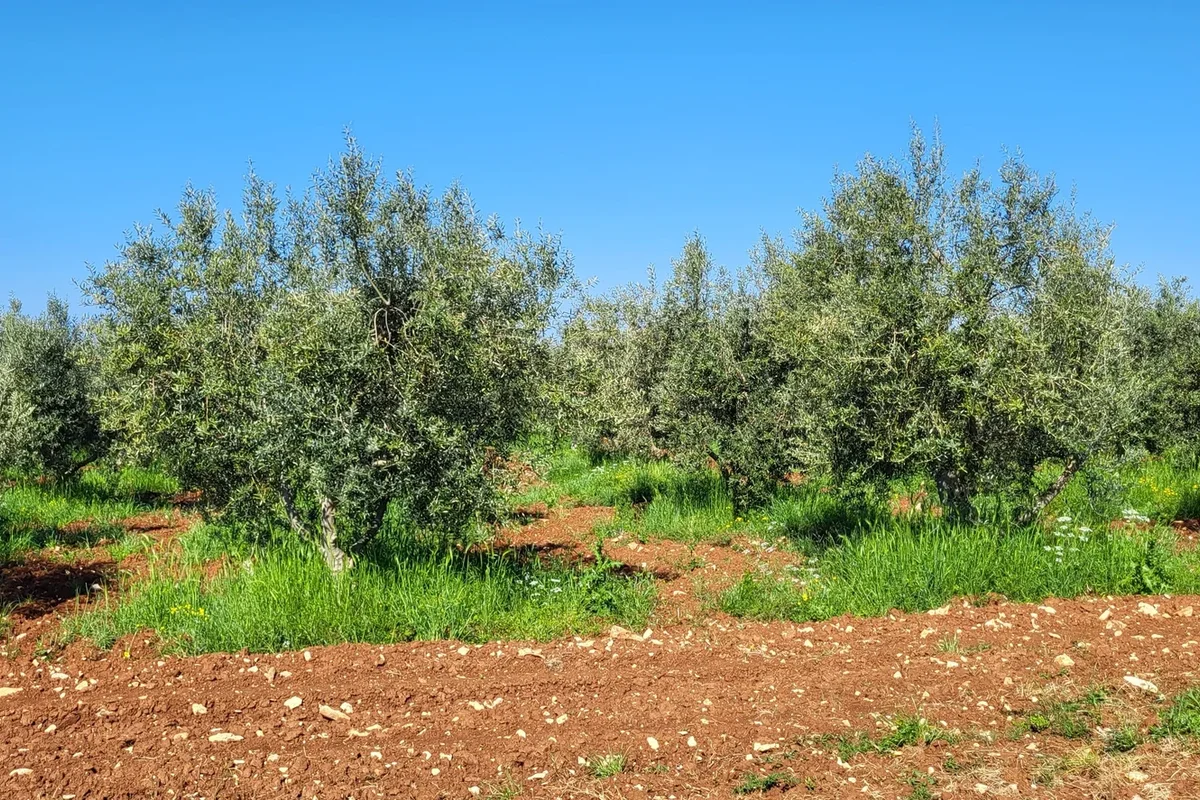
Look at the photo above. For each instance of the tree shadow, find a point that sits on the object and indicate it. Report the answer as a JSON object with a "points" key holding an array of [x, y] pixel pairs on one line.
{"points": [[37, 587]]}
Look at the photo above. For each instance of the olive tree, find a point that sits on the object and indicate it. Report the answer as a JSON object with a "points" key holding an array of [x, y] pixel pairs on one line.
{"points": [[678, 370], [610, 359], [324, 358], [1168, 343], [953, 328], [48, 419], [718, 393]]}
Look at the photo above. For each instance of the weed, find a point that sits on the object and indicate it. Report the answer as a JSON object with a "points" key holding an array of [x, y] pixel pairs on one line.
{"points": [[949, 644], [1182, 717], [922, 786], [607, 765], [279, 597], [921, 566], [756, 784], [506, 789], [1083, 762], [79, 512], [910, 731], [1071, 719], [907, 731], [1122, 739]]}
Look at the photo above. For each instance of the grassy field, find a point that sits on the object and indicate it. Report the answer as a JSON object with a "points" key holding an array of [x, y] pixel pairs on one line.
{"points": [[1108, 533], [280, 597], [36, 515]]}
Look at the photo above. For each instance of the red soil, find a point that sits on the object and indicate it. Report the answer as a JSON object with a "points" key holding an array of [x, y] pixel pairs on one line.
{"points": [[695, 706]]}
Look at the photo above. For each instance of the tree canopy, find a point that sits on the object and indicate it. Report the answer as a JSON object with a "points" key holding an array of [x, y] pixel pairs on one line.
{"points": [[327, 357]]}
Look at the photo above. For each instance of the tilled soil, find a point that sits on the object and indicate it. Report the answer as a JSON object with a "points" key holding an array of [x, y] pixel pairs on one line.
{"points": [[694, 709]]}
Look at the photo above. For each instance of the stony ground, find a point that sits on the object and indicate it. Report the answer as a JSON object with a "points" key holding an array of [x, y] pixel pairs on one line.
{"points": [[704, 707]]}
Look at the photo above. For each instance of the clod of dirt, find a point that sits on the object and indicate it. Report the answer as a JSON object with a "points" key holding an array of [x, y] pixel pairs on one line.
{"points": [[333, 714]]}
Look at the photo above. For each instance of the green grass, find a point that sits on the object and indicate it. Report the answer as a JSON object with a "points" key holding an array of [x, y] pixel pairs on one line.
{"points": [[1122, 739], [757, 784], [855, 557], [907, 731], [1181, 718], [35, 515], [915, 567], [607, 766], [281, 597], [1070, 719]]}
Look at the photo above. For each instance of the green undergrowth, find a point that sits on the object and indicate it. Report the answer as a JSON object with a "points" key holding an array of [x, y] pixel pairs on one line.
{"points": [[76, 512], [867, 553], [918, 567], [281, 596], [758, 784]]}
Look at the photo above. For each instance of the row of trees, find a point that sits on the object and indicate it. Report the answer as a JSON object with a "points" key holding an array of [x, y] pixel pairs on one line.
{"points": [[321, 360], [961, 330]]}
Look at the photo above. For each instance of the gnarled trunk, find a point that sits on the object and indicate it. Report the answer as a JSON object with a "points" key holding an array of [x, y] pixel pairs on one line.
{"points": [[335, 557]]}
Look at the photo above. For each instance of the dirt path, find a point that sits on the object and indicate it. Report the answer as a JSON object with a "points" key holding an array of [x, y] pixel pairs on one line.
{"points": [[693, 709]]}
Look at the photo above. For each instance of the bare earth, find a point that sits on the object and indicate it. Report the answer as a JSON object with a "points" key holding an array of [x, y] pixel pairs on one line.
{"points": [[695, 708]]}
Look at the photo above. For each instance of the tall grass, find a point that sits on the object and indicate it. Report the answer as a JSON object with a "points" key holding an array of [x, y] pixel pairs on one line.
{"points": [[79, 511], [914, 567], [282, 596]]}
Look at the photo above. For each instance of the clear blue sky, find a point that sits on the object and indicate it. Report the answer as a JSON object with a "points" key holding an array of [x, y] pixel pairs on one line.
{"points": [[622, 125]]}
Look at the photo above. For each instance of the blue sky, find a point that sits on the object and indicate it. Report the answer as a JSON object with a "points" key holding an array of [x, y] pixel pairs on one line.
{"points": [[624, 126]]}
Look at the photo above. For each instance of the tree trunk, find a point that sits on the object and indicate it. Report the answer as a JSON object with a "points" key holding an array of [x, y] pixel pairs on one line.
{"points": [[1047, 497], [289, 507], [954, 495], [335, 557]]}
